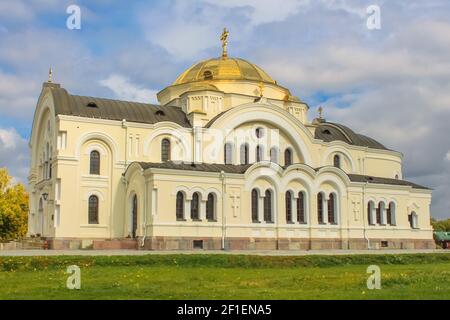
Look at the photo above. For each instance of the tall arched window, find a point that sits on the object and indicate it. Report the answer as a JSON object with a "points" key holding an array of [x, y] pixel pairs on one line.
{"points": [[94, 167], [244, 153], [165, 150], [287, 157], [134, 214], [93, 210], [332, 209], [268, 206], [320, 207], [228, 153], [195, 210], [288, 198], [180, 206], [210, 208], [255, 205], [274, 154], [301, 207], [259, 153], [413, 220], [378, 213], [370, 208], [337, 161], [390, 214]]}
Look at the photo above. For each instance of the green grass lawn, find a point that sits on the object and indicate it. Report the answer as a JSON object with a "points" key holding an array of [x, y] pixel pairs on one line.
{"points": [[411, 276]]}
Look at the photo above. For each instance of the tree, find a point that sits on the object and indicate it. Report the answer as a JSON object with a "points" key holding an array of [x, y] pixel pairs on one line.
{"points": [[13, 208], [440, 225]]}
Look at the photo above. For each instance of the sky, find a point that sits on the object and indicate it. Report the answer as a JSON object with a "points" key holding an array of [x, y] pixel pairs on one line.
{"points": [[392, 83]]}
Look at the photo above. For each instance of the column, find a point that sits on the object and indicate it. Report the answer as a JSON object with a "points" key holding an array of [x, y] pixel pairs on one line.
{"points": [[325, 210], [202, 210], [294, 200], [261, 208], [187, 209]]}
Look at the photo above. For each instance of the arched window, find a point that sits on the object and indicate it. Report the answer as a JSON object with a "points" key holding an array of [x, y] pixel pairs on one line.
{"points": [[93, 210], [337, 161], [274, 154], [413, 220], [287, 157], [301, 207], [288, 198], [255, 205], [370, 208], [94, 167], [165, 150], [332, 209], [244, 153], [134, 214], [210, 208], [228, 153], [195, 210], [259, 153], [378, 217], [259, 132], [390, 214], [180, 206], [268, 206], [320, 207]]}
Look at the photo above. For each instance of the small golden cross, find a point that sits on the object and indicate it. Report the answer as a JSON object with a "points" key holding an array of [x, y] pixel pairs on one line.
{"points": [[224, 38]]}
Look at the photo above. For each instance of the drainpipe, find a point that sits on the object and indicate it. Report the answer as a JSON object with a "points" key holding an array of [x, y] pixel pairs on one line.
{"points": [[224, 216]]}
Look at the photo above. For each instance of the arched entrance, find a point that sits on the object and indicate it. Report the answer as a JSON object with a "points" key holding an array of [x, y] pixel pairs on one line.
{"points": [[134, 213]]}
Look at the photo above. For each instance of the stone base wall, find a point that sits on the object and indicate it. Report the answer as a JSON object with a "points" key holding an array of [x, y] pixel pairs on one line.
{"points": [[205, 243], [96, 244], [188, 243]]}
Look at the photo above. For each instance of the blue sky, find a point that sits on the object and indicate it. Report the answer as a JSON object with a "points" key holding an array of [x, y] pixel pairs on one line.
{"points": [[392, 84]]}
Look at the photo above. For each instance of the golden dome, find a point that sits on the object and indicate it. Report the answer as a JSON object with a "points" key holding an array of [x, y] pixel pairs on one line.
{"points": [[224, 69]]}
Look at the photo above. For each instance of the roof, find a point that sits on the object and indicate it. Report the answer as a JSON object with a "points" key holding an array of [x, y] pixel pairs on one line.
{"points": [[224, 69], [100, 108], [241, 169], [328, 132], [380, 180], [190, 166]]}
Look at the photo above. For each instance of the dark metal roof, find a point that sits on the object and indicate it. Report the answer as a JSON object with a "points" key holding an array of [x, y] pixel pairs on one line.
{"points": [[100, 108], [241, 169], [328, 132], [190, 166], [379, 180]]}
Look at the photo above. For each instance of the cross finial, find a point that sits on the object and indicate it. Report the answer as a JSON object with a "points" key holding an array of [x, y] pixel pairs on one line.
{"points": [[320, 112], [50, 75], [224, 38]]}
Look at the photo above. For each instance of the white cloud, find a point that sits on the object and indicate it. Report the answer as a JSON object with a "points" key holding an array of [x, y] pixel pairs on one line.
{"points": [[447, 156], [126, 90], [14, 154]]}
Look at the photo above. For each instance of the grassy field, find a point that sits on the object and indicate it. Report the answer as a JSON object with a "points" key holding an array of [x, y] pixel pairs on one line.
{"points": [[407, 276]]}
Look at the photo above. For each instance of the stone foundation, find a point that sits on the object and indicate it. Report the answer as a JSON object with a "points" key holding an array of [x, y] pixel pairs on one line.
{"points": [[205, 243], [187, 243]]}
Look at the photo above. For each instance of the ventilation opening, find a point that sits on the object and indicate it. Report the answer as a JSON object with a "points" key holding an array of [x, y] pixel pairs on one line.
{"points": [[92, 105], [160, 113], [384, 244], [198, 244], [326, 131], [207, 75]]}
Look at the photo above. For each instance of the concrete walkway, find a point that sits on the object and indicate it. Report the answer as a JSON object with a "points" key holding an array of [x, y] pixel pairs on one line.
{"points": [[6, 253]]}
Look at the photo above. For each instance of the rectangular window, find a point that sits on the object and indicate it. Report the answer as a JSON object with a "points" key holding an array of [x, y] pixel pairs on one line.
{"points": [[198, 244]]}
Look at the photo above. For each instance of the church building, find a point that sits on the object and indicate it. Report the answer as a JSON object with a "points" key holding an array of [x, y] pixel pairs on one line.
{"points": [[227, 160]]}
